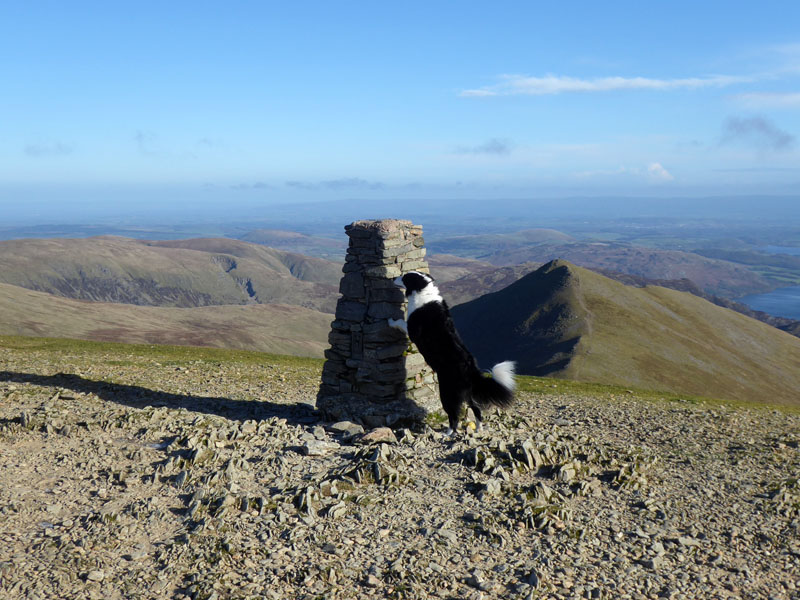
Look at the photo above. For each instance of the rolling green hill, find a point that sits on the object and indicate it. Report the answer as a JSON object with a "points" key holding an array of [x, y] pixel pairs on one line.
{"points": [[332, 249], [566, 321], [183, 273], [274, 328]]}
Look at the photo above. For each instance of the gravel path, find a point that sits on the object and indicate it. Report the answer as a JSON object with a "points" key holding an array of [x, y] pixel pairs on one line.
{"points": [[126, 476]]}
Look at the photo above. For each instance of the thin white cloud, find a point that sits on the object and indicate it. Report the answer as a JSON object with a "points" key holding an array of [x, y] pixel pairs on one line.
{"points": [[789, 54], [511, 85], [344, 183], [657, 172], [791, 49], [478, 93], [770, 100]]}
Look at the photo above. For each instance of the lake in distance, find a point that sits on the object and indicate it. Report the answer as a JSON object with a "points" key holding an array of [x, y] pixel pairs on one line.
{"points": [[784, 302]]}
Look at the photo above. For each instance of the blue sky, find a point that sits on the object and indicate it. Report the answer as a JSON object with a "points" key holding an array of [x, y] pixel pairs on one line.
{"points": [[247, 102]]}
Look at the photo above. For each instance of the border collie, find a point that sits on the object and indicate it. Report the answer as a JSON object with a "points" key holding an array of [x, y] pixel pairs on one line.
{"points": [[428, 324]]}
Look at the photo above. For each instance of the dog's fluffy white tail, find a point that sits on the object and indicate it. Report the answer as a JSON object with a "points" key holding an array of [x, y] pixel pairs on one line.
{"points": [[503, 373], [497, 390]]}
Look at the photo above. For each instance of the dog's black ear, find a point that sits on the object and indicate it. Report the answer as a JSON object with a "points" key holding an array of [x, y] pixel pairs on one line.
{"points": [[415, 281]]}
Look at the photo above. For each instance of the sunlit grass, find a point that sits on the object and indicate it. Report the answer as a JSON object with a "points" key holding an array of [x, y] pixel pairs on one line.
{"points": [[549, 385], [128, 354], [137, 355]]}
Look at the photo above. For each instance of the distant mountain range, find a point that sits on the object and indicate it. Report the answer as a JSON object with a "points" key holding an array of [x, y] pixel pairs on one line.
{"points": [[566, 321], [486, 246], [712, 274], [180, 273], [332, 249], [558, 320]]}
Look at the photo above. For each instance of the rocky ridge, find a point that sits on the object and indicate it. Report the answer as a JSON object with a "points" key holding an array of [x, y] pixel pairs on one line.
{"points": [[566, 321], [136, 472]]}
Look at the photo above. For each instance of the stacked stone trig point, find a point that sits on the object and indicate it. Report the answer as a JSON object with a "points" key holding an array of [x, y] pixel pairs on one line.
{"points": [[373, 374]]}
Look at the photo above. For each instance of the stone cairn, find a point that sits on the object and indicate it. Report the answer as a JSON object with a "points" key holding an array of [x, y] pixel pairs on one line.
{"points": [[373, 374]]}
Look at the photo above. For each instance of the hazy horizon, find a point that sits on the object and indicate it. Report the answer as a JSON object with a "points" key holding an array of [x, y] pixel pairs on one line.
{"points": [[184, 218], [110, 111]]}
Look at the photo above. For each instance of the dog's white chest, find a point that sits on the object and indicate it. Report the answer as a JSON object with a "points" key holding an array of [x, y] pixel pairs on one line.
{"points": [[419, 299]]}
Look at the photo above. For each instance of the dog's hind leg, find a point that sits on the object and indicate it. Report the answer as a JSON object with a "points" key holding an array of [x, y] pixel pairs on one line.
{"points": [[453, 418], [477, 412], [451, 402]]}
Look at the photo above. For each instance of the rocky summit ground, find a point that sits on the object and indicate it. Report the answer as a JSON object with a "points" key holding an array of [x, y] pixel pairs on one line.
{"points": [[152, 472]]}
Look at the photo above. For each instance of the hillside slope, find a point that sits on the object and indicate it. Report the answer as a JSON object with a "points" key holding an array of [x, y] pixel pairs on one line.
{"points": [[274, 328], [300, 266], [184, 273], [570, 322], [475, 283]]}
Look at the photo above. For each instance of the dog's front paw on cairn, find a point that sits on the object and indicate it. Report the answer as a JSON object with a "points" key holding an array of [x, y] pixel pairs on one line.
{"points": [[398, 324]]}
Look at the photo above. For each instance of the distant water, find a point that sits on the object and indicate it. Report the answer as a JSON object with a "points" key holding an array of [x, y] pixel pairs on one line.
{"points": [[784, 302], [781, 250]]}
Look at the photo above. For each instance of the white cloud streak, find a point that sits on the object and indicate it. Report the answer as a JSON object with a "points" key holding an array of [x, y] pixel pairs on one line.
{"points": [[655, 173], [513, 85], [770, 100]]}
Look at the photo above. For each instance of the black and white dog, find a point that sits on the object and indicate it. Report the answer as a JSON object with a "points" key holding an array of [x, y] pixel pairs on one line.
{"points": [[428, 324]]}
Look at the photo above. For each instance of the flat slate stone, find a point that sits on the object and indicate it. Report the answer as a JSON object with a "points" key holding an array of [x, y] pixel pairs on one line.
{"points": [[347, 428], [379, 435], [319, 447]]}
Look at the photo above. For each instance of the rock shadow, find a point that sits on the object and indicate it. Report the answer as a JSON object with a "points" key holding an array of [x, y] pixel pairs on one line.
{"points": [[136, 396]]}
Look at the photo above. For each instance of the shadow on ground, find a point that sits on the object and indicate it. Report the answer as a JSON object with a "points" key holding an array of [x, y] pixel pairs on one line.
{"points": [[139, 397]]}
